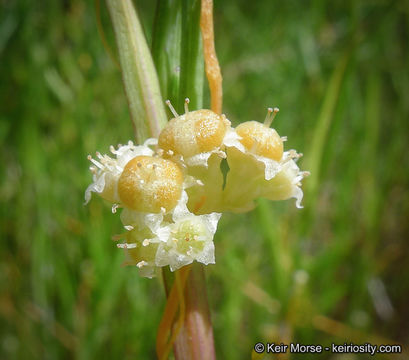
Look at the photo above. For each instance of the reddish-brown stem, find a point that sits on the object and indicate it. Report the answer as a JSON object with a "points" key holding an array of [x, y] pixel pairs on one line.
{"points": [[175, 300], [195, 340]]}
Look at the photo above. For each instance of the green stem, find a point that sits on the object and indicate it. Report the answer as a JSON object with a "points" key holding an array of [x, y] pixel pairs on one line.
{"points": [[142, 87], [180, 20], [166, 47], [192, 62]]}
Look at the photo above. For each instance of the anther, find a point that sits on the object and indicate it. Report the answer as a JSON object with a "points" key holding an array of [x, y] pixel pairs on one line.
{"points": [[141, 264], [172, 109], [146, 242], [128, 227]]}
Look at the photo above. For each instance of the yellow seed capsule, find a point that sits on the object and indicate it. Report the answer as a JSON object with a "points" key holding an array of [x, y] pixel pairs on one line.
{"points": [[193, 133], [148, 184], [261, 140]]}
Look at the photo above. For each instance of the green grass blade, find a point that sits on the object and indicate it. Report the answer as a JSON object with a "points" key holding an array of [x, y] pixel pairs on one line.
{"points": [[138, 71]]}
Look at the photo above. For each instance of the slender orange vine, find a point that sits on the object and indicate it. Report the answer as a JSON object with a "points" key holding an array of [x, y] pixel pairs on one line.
{"points": [[212, 67]]}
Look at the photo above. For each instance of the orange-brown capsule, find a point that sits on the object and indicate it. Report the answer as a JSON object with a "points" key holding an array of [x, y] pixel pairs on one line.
{"points": [[261, 140], [193, 133], [148, 184]]}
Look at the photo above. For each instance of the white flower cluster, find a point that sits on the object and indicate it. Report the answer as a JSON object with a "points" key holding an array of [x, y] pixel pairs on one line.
{"points": [[170, 236], [173, 192]]}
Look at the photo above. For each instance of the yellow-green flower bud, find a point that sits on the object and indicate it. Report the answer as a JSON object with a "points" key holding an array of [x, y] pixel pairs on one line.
{"points": [[148, 184], [260, 140], [106, 170], [193, 133], [259, 167]]}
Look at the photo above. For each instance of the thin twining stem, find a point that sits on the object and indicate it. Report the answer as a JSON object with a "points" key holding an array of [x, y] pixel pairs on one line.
{"points": [[175, 300], [212, 68]]}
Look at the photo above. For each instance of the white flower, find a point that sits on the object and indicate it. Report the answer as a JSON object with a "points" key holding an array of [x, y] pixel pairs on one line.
{"points": [[189, 238], [270, 172], [176, 238], [163, 191], [287, 183], [140, 253], [107, 170], [272, 167]]}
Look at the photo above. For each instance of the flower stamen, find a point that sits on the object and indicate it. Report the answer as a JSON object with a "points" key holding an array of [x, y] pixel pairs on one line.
{"points": [[171, 108], [126, 246]]}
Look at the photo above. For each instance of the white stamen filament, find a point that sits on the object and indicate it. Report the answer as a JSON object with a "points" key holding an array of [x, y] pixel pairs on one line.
{"points": [[126, 246], [96, 163]]}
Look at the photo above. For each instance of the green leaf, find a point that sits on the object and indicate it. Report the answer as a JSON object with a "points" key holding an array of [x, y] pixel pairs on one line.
{"points": [[138, 71], [177, 52]]}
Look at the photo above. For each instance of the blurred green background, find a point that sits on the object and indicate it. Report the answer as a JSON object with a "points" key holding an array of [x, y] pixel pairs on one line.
{"points": [[335, 271]]}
